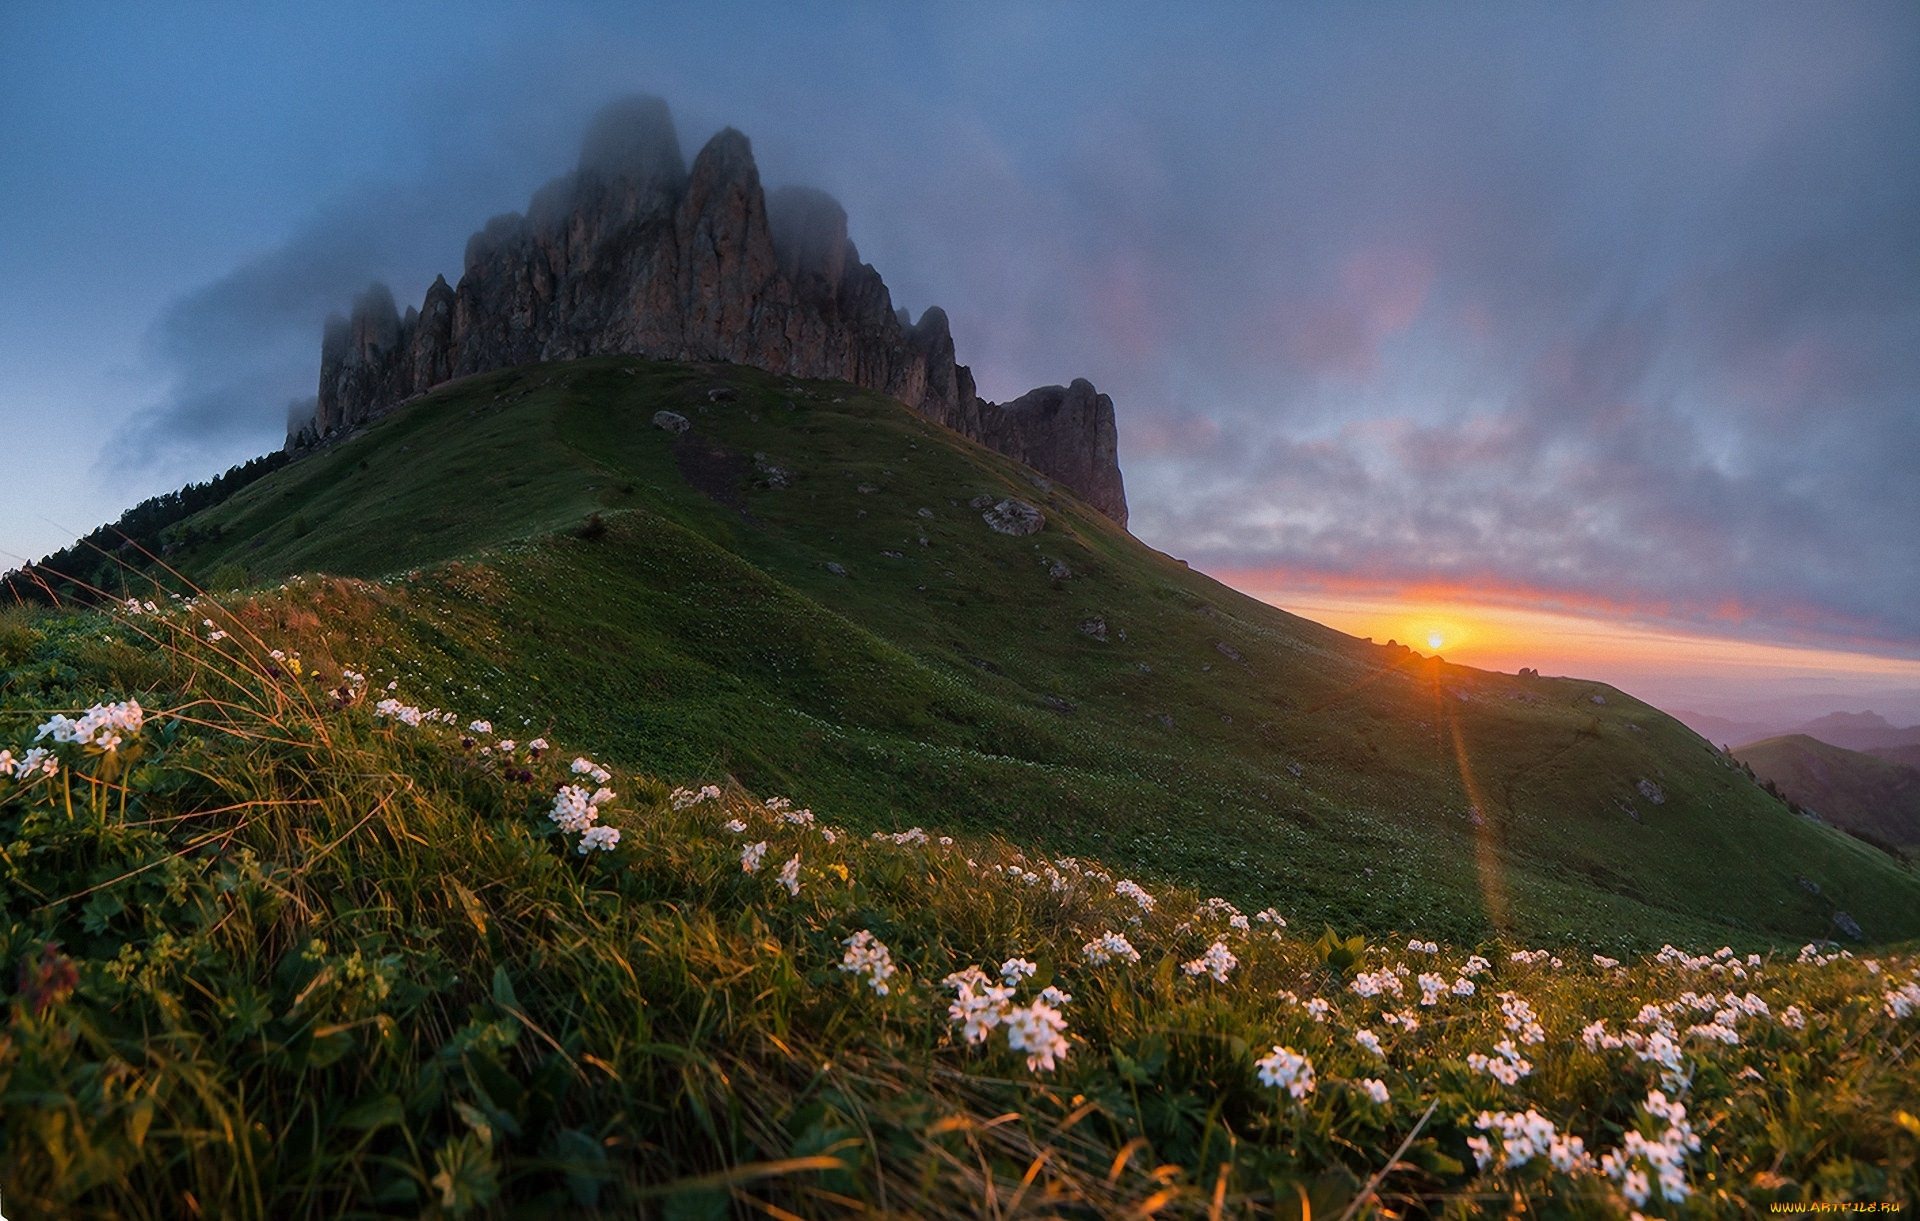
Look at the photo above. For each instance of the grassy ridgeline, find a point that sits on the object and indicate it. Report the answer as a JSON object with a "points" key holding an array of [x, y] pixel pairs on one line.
{"points": [[799, 593], [282, 957]]}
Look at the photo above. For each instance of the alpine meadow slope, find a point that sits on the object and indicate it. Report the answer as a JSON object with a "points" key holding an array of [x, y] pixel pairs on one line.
{"points": [[799, 591]]}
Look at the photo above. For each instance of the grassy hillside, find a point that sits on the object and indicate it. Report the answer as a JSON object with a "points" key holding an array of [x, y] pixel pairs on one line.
{"points": [[1905, 756], [1850, 789], [281, 945], [796, 593]]}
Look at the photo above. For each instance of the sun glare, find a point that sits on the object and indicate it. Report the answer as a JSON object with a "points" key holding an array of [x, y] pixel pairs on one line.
{"points": [[1434, 640]]}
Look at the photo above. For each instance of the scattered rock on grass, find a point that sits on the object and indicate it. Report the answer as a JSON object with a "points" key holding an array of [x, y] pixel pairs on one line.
{"points": [[671, 421], [1015, 517]]}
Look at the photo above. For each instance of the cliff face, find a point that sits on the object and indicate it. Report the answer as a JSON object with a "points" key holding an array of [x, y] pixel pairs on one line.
{"points": [[635, 253]]}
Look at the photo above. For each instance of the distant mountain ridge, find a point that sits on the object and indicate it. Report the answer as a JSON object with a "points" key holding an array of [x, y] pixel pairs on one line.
{"points": [[1860, 731], [636, 254], [1858, 792]]}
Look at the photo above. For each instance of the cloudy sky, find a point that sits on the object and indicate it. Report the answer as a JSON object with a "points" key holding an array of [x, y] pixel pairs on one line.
{"points": [[1608, 311]]}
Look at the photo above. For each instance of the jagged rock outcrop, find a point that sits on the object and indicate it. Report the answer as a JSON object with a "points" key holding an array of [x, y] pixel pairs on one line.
{"points": [[1067, 433], [636, 253]]}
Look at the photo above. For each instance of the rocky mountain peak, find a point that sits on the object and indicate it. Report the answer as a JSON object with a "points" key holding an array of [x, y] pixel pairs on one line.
{"points": [[633, 138], [810, 236], [637, 253]]}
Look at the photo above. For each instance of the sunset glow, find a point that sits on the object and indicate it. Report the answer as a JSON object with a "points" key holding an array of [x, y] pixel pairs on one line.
{"points": [[1670, 666]]}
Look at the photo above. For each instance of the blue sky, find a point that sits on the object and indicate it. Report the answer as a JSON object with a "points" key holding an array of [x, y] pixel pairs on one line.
{"points": [[1608, 308]]}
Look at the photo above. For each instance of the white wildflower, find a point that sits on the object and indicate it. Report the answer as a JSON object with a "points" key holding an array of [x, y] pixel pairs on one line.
{"points": [[573, 808], [1107, 947], [1013, 970], [1039, 1030], [866, 955], [603, 838], [1218, 961], [1288, 1070]]}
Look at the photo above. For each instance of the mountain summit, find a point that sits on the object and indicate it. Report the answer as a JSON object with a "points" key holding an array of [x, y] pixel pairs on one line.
{"points": [[634, 253]]}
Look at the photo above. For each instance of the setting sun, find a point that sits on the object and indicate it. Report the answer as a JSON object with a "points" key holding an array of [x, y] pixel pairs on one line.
{"points": [[1434, 640]]}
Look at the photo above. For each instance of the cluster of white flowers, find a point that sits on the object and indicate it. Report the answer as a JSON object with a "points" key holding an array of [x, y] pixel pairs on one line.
{"points": [[392, 708], [214, 634], [1792, 1018], [1126, 888], [1013, 970], [1813, 954], [1658, 1045], [1664, 1155], [1533, 958], [1901, 1002], [134, 606], [479, 726], [1520, 1019], [866, 955], [1404, 1019], [913, 837], [1107, 947], [35, 761], [789, 875], [1218, 961], [1040, 1030], [1375, 983], [102, 727], [593, 771], [1370, 1041], [605, 839], [752, 855], [1318, 1009], [575, 809], [1525, 1135], [980, 1005], [734, 826], [1286, 1069], [1722, 961], [1375, 1090], [1475, 965], [576, 812], [1605, 963], [1506, 1065], [1432, 987], [1268, 915], [783, 809], [1417, 946]]}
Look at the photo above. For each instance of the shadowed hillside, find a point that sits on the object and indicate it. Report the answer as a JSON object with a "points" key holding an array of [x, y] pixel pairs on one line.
{"points": [[1875, 797]]}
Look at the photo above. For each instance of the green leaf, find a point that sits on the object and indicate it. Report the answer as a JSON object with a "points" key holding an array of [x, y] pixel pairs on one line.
{"points": [[139, 1119], [583, 1160], [475, 1119], [503, 994], [374, 1113], [100, 910], [466, 1176], [696, 1204]]}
